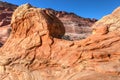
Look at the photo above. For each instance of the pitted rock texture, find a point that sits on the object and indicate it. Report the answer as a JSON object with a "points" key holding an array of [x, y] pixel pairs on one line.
{"points": [[34, 51]]}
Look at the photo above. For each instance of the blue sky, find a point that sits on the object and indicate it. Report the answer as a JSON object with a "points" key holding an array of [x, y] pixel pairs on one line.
{"points": [[85, 8]]}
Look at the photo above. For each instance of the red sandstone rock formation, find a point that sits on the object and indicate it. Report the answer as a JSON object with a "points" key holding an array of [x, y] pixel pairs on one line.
{"points": [[34, 52], [76, 27]]}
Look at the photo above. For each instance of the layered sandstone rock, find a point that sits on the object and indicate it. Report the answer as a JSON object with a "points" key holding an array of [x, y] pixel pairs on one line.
{"points": [[34, 51], [6, 10]]}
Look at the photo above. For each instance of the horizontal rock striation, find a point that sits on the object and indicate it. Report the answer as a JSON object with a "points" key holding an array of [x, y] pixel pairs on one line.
{"points": [[6, 10]]}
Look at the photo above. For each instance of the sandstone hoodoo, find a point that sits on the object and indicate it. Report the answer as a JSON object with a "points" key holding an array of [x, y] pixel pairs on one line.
{"points": [[34, 50]]}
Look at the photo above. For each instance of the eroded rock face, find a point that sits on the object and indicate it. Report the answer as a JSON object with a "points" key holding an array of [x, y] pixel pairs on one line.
{"points": [[34, 51]]}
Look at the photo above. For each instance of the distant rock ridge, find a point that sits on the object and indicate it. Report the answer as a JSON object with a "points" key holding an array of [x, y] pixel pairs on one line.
{"points": [[76, 27], [6, 5], [6, 10], [34, 50], [60, 14]]}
